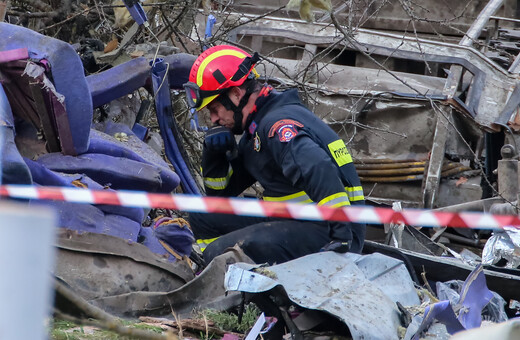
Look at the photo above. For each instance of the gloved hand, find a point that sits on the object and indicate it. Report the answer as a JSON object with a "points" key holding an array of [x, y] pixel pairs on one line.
{"points": [[220, 139], [337, 246]]}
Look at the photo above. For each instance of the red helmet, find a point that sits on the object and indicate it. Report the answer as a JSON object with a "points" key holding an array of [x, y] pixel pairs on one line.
{"points": [[215, 70]]}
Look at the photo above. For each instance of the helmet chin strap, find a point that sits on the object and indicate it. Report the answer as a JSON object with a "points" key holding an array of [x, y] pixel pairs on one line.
{"points": [[238, 116]]}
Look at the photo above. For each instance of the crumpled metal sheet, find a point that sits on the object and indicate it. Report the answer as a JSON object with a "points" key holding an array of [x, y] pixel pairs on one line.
{"points": [[359, 290], [97, 266], [205, 291], [503, 244]]}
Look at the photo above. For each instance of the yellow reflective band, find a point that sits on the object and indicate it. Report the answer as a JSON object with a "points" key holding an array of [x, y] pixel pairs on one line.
{"points": [[355, 193], [204, 243], [337, 200], [340, 199], [219, 183], [213, 56], [299, 197], [339, 152]]}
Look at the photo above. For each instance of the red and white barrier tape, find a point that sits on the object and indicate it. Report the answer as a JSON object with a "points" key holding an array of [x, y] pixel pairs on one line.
{"points": [[252, 207]]}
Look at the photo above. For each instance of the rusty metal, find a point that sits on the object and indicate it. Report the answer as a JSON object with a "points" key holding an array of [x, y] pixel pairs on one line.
{"points": [[454, 171], [391, 179], [391, 172], [405, 174], [378, 166]]}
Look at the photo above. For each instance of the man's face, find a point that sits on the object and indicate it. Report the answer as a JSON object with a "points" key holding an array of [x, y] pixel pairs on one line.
{"points": [[219, 115]]}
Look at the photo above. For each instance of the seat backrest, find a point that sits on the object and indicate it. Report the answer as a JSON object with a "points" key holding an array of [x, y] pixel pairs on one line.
{"points": [[68, 78]]}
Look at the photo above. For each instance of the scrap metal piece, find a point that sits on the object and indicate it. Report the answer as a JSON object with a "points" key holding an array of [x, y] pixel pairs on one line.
{"points": [[486, 89], [433, 175], [503, 245], [489, 90], [97, 266], [359, 290], [204, 291], [503, 281]]}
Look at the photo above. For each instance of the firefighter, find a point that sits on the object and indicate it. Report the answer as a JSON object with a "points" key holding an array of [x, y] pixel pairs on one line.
{"points": [[294, 155]]}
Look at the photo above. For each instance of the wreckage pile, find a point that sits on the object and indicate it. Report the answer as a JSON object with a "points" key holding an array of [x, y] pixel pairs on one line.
{"points": [[430, 120]]}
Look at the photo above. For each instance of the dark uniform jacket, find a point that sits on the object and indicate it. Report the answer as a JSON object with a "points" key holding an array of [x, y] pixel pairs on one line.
{"points": [[296, 157]]}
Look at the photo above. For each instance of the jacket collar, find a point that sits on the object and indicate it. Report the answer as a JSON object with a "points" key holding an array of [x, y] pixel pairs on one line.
{"points": [[273, 99]]}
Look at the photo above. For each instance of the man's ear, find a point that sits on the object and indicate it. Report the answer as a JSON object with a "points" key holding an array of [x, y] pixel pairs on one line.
{"points": [[235, 94]]}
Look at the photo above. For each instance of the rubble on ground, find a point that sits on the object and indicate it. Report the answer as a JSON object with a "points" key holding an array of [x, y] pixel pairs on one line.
{"points": [[91, 99]]}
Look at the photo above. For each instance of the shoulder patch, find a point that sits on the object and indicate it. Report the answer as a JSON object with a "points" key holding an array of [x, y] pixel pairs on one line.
{"points": [[285, 128]]}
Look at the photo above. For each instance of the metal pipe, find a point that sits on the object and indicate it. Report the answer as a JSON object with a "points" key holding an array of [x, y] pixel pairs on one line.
{"points": [[390, 179], [515, 66], [462, 239], [453, 171], [493, 17], [478, 25], [390, 172], [480, 205], [449, 168], [361, 166], [383, 161]]}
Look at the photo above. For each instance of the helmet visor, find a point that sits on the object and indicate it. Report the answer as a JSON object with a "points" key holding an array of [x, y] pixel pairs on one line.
{"points": [[195, 97], [192, 95]]}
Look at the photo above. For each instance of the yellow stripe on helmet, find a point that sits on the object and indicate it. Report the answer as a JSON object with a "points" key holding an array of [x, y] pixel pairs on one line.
{"points": [[213, 56]]}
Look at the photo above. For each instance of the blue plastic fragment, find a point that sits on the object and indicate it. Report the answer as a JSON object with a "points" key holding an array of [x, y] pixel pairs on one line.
{"points": [[443, 313], [474, 296], [209, 26], [140, 131], [209, 29], [136, 11]]}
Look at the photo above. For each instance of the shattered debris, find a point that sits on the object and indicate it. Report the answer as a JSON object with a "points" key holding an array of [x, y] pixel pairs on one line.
{"points": [[426, 100]]}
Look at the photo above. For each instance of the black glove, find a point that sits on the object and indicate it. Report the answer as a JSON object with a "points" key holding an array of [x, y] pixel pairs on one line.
{"points": [[337, 246], [220, 139]]}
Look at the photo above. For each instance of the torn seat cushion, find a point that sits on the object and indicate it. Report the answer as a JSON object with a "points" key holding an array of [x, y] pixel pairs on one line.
{"points": [[67, 75]]}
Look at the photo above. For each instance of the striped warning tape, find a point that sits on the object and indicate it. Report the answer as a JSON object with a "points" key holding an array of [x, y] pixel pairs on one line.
{"points": [[252, 207]]}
